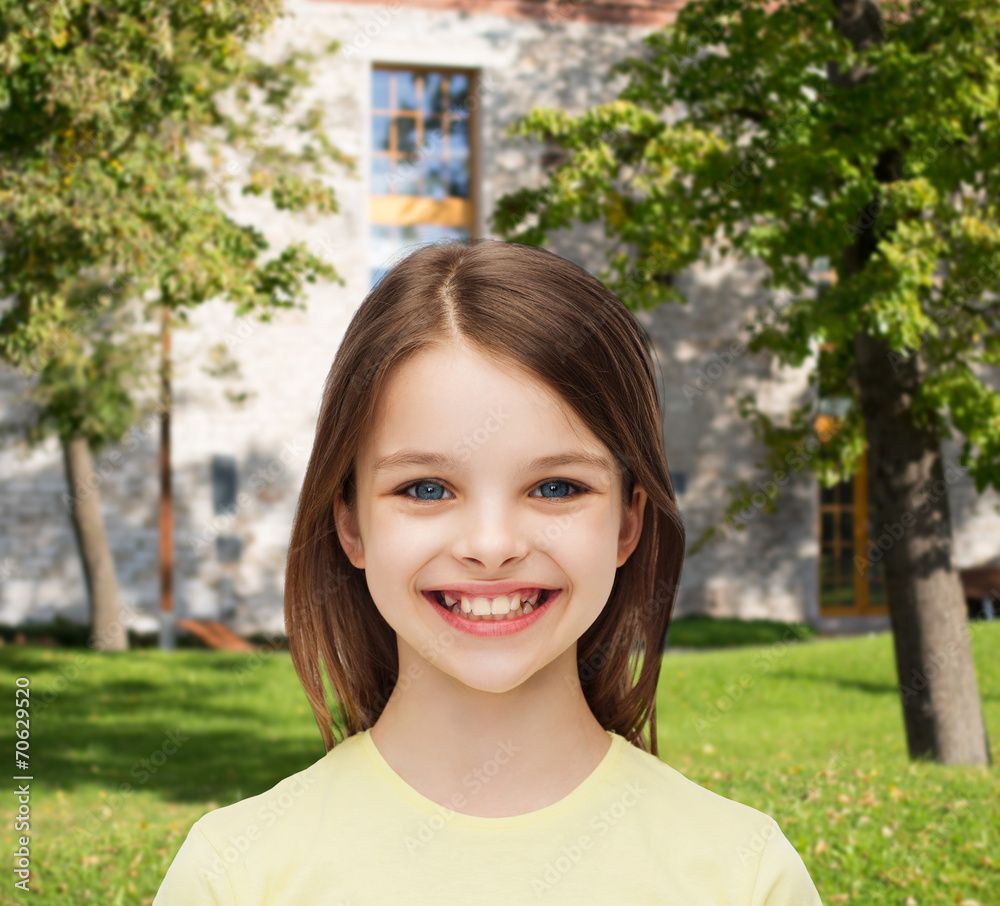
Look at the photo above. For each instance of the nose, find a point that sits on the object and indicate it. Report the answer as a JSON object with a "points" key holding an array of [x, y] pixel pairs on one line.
{"points": [[492, 536]]}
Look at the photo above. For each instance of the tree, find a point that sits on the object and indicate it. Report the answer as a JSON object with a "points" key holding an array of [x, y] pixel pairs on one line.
{"points": [[108, 214], [865, 134]]}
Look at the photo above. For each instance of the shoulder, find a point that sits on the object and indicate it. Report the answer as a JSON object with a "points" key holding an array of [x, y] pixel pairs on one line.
{"points": [[710, 832], [292, 801], [227, 850], [669, 787]]}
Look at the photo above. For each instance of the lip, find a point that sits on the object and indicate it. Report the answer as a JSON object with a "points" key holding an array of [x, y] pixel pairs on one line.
{"points": [[488, 628]]}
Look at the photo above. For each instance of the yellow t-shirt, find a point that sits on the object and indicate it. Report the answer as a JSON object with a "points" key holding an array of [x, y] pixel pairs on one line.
{"points": [[348, 830]]}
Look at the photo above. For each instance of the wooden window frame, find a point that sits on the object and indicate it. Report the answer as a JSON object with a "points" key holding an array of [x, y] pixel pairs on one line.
{"points": [[413, 210], [825, 426], [862, 606]]}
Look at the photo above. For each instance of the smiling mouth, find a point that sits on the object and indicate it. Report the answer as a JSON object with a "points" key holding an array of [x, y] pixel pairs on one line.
{"points": [[496, 608]]}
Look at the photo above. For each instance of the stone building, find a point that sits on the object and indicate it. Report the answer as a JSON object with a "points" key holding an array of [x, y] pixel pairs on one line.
{"points": [[442, 79]]}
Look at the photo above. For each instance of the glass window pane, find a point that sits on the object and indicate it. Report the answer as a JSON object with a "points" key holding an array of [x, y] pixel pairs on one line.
{"points": [[380, 89], [434, 232], [406, 91], [381, 245], [827, 522], [380, 133], [847, 528], [433, 136], [434, 180], [406, 134], [433, 98], [381, 169], [457, 179], [382, 236], [458, 137], [406, 179], [458, 94]]}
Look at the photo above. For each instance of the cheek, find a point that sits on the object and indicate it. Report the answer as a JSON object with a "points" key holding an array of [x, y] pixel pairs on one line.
{"points": [[585, 543], [587, 553], [401, 543]]}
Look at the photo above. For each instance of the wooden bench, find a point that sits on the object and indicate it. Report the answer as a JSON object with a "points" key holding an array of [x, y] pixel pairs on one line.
{"points": [[979, 584], [215, 635]]}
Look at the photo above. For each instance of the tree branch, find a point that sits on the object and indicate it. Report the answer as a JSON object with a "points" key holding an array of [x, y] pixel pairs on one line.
{"points": [[749, 114], [860, 21]]}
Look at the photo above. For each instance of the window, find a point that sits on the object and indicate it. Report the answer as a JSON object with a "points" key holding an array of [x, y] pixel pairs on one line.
{"points": [[224, 481], [422, 180], [850, 580], [223, 484]]}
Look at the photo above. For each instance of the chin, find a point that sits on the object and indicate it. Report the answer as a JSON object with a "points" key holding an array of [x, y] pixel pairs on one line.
{"points": [[504, 679]]}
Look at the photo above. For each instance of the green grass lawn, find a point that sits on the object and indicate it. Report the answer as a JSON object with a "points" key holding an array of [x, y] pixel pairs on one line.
{"points": [[810, 732], [698, 631]]}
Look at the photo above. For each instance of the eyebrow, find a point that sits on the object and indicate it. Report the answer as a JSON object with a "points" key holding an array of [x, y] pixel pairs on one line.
{"points": [[445, 463]]}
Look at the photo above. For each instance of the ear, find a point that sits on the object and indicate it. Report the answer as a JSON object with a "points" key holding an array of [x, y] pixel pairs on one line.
{"points": [[631, 530], [347, 531]]}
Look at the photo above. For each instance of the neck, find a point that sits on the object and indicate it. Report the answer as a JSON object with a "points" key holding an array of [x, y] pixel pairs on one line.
{"points": [[492, 754]]}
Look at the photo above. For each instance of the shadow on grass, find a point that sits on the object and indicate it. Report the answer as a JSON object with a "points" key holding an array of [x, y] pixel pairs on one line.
{"points": [[856, 685], [170, 725]]}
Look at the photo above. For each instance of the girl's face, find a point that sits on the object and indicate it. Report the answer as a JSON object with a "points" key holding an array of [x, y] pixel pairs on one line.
{"points": [[452, 495]]}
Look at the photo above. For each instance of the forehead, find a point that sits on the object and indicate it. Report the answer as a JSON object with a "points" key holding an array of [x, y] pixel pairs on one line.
{"points": [[443, 394]]}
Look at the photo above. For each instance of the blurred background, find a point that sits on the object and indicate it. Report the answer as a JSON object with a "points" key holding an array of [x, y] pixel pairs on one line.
{"points": [[797, 201]]}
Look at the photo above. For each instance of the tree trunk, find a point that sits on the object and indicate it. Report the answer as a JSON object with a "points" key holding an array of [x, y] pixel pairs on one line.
{"points": [[912, 536], [909, 489], [107, 630]]}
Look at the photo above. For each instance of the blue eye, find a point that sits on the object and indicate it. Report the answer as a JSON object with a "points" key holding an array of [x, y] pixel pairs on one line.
{"points": [[549, 485], [422, 486], [429, 490]]}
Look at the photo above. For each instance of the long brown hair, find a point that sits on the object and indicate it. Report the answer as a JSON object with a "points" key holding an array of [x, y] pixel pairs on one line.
{"points": [[531, 309]]}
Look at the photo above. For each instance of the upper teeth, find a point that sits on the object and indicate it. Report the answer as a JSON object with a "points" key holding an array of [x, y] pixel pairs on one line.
{"points": [[501, 604]]}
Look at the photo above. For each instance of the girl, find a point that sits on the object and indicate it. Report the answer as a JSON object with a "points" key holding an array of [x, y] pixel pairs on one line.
{"points": [[484, 560]]}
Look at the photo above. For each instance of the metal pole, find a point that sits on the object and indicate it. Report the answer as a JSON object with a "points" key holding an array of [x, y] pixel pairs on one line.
{"points": [[167, 628]]}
